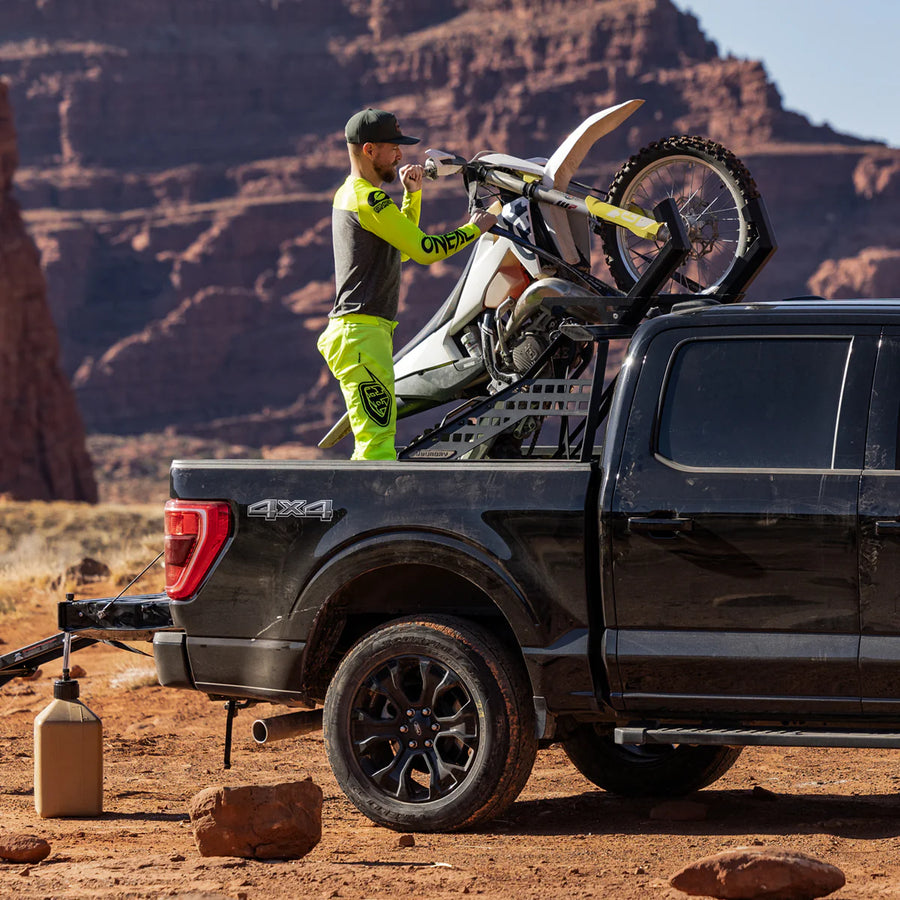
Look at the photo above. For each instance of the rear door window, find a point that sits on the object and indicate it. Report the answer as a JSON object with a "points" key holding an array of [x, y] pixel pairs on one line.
{"points": [[771, 403]]}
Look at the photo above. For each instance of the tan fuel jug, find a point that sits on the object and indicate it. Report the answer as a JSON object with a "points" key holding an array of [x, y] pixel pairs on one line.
{"points": [[68, 756]]}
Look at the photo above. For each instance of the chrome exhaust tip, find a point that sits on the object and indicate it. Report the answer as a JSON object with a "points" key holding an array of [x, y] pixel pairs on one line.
{"points": [[277, 728]]}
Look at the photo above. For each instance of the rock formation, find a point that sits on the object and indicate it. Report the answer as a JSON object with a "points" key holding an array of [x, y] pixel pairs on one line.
{"points": [[42, 446], [759, 873], [180, 161], [258, 821], [23, 848]]}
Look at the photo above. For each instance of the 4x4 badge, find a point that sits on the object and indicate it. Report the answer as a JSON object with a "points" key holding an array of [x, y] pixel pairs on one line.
{"points": [[286, 509]]}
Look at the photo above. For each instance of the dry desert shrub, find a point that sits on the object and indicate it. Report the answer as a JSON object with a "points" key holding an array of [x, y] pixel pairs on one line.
{"points": [[135, 677], [42, 546]]}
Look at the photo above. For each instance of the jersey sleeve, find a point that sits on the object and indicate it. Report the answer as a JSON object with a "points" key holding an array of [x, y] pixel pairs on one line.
{"points": [[380, 215], [412, 206]]}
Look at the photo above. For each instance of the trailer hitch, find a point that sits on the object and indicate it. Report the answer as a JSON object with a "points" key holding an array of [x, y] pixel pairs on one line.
{"points": [[85, 622]]}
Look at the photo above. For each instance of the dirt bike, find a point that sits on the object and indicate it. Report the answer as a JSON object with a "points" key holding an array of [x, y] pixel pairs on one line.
{"points": [[531, 274]]}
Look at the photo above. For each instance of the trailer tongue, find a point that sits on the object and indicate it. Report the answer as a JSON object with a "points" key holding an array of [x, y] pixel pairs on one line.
{"points": [[110, 621]]}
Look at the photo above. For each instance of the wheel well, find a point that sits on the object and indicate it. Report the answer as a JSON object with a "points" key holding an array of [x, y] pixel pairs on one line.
{"points": [[391, 592]]}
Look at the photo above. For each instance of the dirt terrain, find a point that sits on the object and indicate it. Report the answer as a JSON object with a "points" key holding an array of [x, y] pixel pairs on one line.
{"points": [[563, 838]]}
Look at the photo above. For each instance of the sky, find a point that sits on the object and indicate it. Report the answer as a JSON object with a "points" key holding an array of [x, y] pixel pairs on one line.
{"points": [[835, 61]]}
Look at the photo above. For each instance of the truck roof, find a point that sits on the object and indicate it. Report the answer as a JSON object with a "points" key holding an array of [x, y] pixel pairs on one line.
{"points": [[872, 310], [801, 311]]}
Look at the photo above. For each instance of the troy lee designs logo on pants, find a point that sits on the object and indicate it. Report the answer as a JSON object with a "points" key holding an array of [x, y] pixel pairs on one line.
{"points": [[376, 399]]}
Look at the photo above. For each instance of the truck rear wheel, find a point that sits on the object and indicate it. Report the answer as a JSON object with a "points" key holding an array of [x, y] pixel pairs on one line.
{"points": [[429, 725], [646, 770]]}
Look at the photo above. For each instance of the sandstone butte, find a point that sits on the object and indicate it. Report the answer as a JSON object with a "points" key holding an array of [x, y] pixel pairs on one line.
{"points": [[178, 163], [42, 442]]}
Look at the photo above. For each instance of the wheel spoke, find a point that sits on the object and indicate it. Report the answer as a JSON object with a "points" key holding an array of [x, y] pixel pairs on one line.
{"points": [[394, 779], [435, 680], [445, 775], [462, 724], [369, 731], [391, 688]]}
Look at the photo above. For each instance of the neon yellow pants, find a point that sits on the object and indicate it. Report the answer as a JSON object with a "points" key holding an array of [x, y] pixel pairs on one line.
{"points": [[359, 351]]}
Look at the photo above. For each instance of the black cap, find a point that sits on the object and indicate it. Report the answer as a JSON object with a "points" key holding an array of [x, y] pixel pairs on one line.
{"points": [[377, 126], [65, 689]]}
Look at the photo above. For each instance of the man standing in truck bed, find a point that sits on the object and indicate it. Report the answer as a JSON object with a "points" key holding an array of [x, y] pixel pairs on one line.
{"points": [[371, 236]]}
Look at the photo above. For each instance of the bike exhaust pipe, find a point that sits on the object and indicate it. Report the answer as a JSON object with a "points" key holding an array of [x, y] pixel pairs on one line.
{"points": [[277, 728]]}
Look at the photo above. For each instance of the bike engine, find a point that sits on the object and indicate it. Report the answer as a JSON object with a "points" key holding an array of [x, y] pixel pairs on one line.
{"points": [[526, 351]]}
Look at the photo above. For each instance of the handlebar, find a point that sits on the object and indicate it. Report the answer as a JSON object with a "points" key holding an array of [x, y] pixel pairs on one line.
{"points": [[443, 163], [595, 209]]}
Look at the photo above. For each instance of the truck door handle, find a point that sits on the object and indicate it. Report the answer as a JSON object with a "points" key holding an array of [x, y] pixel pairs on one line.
{"points": [[653, 525], [887, 528]]}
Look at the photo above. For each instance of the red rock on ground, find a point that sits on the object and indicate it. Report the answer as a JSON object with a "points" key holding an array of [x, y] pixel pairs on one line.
{"points": [[751, 873], [276, 821], [23, 848]]}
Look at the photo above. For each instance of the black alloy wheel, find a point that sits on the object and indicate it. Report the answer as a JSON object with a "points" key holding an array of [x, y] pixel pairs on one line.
{"points": [[429, 725], [414, 729]]}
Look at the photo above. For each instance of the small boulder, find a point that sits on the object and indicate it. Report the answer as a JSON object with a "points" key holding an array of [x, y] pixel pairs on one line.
{"points": [[276, 821], [23, 848], [756, 873], [88, 571], [406, 840]]}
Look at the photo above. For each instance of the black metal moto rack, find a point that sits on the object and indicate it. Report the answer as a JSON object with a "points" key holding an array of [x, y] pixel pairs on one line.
{"points": [[524, 406]]}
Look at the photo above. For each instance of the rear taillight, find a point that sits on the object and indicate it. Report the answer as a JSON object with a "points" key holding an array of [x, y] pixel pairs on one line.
{"points": [[196, 530]]}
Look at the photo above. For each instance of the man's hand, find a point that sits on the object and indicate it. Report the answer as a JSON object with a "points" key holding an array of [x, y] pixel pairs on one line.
{"points": [[483, 219], [411, 178]]}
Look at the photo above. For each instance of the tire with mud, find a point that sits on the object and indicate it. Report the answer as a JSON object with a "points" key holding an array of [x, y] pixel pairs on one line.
{"points": [[650, 770], [429, 725], [710, 186]]}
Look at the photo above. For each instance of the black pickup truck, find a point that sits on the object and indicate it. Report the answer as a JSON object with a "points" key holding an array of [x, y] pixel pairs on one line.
{"points": [[717, 568]]}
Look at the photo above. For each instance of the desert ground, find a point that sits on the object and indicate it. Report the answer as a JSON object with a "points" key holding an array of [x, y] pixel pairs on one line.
{"points": [[563, 837]]}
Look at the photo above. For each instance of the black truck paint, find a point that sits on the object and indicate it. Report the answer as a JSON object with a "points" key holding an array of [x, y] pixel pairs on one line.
{"points": [[723, 571]]}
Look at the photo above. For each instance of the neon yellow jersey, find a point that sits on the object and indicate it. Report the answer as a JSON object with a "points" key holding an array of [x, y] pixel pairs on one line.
{"points": [[371, 237]]}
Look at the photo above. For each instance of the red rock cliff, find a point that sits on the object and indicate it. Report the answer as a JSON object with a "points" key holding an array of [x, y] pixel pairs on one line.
{"points": [[180, 160], [42, 448]]}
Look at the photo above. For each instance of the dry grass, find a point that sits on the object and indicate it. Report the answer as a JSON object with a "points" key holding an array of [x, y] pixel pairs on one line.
{"points": [[40, 541], [134, 677]]}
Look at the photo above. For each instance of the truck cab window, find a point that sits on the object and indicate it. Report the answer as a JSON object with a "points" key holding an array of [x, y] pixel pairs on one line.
{"points": [[769, 403]]}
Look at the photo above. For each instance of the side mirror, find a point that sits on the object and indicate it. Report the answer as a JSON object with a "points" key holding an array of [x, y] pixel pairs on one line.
{"points": [[440, 163]]}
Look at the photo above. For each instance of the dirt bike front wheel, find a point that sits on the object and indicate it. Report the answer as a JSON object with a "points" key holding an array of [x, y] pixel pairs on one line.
{"points": [[710, 186]]}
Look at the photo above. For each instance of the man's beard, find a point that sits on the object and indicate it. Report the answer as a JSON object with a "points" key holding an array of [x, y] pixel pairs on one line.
{"points": [[387, 174]]}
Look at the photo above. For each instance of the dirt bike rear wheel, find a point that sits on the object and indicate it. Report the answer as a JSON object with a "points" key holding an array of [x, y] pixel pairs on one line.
{"points": [[710, 186]]}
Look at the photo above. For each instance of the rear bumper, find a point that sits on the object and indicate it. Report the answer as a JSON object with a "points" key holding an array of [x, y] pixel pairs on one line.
{"points": [[246, 668], [170, 654]]}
